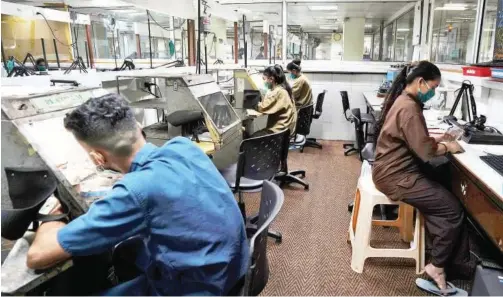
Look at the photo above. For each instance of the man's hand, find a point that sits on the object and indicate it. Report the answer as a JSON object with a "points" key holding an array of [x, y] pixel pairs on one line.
{"points": [[57, 210], [45, 250]]}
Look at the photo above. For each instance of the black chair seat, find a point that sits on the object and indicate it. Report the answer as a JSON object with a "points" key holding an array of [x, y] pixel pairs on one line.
{"points": [[245, 184], [367, 118]]}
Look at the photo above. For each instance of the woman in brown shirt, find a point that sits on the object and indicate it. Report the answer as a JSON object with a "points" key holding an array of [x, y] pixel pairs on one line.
{"points": [[402, 148], [302, 92], [277, 103]]}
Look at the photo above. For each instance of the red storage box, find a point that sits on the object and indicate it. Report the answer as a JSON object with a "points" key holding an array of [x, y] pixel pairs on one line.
{"points": [[477, 71]]}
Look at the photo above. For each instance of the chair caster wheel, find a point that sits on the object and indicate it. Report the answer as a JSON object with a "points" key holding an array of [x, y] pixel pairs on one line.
{"points": [[350, 207], [306, 188], [279, 240], [303, 176]]}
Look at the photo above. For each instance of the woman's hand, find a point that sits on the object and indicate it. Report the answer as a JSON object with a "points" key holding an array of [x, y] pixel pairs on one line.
{"points": [[446, 137], [453, 147]]}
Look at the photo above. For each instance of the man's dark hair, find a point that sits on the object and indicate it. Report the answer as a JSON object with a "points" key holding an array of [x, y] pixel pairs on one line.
{"points": [[39, 61], [106, 122]]}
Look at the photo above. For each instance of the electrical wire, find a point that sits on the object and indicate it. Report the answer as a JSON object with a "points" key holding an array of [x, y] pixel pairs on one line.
{"points": [[169, 30], [54, 35]]}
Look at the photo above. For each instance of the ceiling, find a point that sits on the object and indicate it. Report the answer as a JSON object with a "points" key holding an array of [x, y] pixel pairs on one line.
{"points": [[314, 17], [319, 16], [104, 8]]}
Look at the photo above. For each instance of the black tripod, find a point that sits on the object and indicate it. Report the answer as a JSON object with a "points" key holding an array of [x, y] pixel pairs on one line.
{"points": [[78, 63], [128, 64]]}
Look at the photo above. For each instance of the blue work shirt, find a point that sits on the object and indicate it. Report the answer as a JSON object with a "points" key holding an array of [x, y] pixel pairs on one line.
{"points": [[175, 197]]}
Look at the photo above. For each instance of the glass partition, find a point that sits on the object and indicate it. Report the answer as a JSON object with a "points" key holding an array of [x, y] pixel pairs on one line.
{"points": [[388, 42], [22, 36], [376, 45], [367, 47], [453, 31], [487, 37], [219, 110], [403, 40]]}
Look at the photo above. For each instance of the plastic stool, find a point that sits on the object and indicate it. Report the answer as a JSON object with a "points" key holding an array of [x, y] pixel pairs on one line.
{"points": [[360, 227]]}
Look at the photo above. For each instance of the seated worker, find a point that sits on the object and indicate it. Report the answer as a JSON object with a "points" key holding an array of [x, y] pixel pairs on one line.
{"points": [[261, 55], [402, 149], [301, 89], [173, 196], [40, 65], [278, 103]]}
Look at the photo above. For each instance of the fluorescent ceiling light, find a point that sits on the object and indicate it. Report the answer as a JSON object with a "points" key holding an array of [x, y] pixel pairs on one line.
{"points": [[452, 6], [328, 27], [402, 30], [455, 4], [128, 11], [325, 17], [243, 10], [368, 25], [323, 7]]}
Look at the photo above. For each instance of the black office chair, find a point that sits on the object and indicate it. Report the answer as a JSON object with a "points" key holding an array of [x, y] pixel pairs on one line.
{"points": [[366, 151], [366, 119], [259, 159], [124, 256], [311, 142], [359, 132], [304, 119], [258, 273]]}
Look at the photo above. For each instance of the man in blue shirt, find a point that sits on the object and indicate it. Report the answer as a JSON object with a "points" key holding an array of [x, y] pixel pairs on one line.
{"points": [[173, 196]]}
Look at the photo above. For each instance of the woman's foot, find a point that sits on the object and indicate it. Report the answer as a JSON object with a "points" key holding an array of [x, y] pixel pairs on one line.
{"points": [[437, 274]]}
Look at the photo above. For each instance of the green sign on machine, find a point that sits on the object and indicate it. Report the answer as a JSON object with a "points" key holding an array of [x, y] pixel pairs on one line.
{"points": [[60, 101]]}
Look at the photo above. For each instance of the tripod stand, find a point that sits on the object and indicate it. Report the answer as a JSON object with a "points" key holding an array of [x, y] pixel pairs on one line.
{"points": [[77, 63]]}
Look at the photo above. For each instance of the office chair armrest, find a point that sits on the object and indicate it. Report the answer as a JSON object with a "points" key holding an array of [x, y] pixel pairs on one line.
{"points": [[354, 118]]}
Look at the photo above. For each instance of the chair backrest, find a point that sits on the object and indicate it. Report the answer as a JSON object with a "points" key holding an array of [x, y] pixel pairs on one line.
{"points": [[359, 132], [319, 104], [124, 257], [260, 157], [304, 119], [258, 273], [368, 152], [345, 103]]}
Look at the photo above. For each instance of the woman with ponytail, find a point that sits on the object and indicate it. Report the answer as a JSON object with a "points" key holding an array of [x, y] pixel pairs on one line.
{"points": [[403, 146], [278, 103], [301, 89]]}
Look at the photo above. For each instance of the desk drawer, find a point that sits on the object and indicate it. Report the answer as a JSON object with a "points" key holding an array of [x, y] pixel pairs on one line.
{"points": [[479, 205]]}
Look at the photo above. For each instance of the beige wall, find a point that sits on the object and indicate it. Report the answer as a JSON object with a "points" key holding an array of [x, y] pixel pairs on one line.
{"points": [[353, 34]]}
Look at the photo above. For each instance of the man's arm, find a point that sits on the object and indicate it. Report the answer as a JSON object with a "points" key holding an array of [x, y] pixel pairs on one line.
{"points": [[108, 221], [45, 250]]}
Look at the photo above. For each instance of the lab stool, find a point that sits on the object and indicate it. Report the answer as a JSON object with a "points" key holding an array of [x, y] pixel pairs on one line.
{"points": [[360, 227]]}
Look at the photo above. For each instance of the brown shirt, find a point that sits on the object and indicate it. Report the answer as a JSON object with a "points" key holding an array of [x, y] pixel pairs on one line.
{"points": [[281, 110], [302, 92], [404, 142]]}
